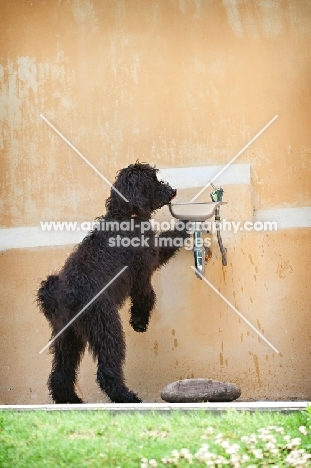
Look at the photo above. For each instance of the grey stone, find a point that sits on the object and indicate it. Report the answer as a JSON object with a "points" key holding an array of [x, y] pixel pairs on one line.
{"points": [[199, 390]]}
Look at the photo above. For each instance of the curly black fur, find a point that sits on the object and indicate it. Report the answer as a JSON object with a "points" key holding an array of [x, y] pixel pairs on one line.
{"points": [[93, 263]]}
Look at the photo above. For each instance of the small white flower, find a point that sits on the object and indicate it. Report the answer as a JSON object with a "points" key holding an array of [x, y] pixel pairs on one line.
{"points": [[221, 460], [185, 453], [274, 451], [235, 459], [203, 453], [204, 447], [153, 463], [296, 442], [267, 437], [257, 453], [291, 457], [270, 446], [264, 431], [303, 430], [232, 449], [225, 444]]}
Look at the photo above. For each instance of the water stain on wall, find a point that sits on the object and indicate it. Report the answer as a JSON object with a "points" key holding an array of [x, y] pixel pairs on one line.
{"points": [[283, 269], [256, 364], [85, 15], [221, 359], [156, 348], [267, 19]]}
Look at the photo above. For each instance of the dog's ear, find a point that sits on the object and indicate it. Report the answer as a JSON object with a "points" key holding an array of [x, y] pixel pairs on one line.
{"points": [[139, 195], [135, 186]]}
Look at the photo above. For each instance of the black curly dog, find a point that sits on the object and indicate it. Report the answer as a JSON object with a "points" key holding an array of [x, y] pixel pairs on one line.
{"points": [[130, 241]]}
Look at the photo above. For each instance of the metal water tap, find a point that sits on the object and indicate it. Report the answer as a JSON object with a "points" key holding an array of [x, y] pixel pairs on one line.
{"points": [[216, 196]]}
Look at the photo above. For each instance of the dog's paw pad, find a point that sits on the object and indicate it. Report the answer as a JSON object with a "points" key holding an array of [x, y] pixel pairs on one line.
{"points": [[139, 327]]}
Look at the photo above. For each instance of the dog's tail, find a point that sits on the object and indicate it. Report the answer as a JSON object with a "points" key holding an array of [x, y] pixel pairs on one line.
{"points": [[46, 297]]}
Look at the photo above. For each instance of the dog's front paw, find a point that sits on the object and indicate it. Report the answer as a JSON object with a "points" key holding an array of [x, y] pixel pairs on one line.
{"points": [[138, 325]]}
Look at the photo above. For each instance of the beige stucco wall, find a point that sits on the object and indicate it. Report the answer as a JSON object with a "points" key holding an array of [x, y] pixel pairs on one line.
{"points": [[176, 83]]}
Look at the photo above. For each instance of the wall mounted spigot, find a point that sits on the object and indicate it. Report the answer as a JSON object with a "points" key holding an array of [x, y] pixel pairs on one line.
{"points": [[216, 196]]}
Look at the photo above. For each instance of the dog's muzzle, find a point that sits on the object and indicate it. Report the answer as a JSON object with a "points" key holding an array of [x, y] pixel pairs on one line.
{"points": [[174, 194]]}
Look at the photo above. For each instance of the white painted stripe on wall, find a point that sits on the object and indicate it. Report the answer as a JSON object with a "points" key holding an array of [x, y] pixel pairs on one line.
{"points": [[190, 177], [286, 218], [27, 237], [186, 177]]}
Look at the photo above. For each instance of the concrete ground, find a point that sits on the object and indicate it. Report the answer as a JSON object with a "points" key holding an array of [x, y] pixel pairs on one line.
{"points": [[281, 406]]}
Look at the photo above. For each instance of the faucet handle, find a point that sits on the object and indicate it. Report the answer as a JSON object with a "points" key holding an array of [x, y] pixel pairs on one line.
{"points": [[217, 195]]}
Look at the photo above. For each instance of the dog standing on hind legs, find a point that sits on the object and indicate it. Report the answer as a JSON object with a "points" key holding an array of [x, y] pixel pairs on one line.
{"points": [[97, 260]]}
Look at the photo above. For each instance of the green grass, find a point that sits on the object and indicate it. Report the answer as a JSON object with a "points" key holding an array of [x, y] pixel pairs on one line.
{"points": [[101, 439]]}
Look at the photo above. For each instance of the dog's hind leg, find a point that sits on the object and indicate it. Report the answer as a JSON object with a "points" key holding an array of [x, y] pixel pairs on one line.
{"points": [[107, 343], [68, 350]]}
